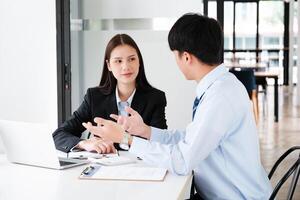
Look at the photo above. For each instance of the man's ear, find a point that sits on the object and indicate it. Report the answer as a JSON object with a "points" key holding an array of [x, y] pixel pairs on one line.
{"points": [[187, 57], [108, 65]]}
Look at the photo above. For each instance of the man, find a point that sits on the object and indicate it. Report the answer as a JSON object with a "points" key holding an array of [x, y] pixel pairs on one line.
{"points": [[220, 144]]}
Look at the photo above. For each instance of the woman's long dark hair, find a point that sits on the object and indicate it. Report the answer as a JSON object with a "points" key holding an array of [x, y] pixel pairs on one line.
{"points": [[108, 81]]}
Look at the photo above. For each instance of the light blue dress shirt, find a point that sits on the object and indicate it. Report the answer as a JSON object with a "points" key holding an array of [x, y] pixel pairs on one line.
{"points": [[121, 109], [221, 143], [122, 104]]}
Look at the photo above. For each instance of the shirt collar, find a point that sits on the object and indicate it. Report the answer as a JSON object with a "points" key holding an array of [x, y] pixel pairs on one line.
{"points": [[209, 79], [129, 100]]}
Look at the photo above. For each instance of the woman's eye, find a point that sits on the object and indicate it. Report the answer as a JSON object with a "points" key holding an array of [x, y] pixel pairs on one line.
{"points": [[118, 61], [132, 59]]}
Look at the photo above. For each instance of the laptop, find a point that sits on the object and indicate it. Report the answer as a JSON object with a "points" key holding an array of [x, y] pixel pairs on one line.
{"points": [[32, 144]]}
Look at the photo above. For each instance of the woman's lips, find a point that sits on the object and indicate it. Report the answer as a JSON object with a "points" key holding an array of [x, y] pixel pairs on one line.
{"points": [[127, 74]]}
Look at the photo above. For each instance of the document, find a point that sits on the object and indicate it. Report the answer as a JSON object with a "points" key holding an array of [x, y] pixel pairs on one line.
{"points": [[87, 154], [112, 160], [128, 173]]}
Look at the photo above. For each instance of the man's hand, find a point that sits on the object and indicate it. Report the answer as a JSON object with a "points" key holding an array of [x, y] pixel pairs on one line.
{"points": [[97, 144], [133, 124], [106, 129]]}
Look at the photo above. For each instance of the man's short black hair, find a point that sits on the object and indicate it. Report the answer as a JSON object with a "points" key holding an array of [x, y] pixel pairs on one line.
{"points": [[199, 35]]}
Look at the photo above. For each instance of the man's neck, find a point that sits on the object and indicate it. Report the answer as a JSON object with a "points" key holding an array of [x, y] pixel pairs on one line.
{"points": [[203, 70]]}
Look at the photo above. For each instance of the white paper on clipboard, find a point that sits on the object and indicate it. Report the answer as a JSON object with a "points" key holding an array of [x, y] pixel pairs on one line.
{"points": [[110, 161]]}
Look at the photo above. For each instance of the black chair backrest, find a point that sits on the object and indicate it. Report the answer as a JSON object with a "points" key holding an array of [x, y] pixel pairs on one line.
{"points": [[294, 169], [247, 78]]}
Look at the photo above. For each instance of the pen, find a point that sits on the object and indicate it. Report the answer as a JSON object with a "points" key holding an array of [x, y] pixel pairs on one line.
{"points": [[88, 170]]}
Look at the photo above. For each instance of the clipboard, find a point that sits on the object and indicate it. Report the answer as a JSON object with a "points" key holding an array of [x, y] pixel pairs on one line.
{"points": [[123, 173]]}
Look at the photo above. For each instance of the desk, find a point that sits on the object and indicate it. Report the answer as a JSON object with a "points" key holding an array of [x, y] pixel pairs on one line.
{"points": [[26, 182], [274, 75]]}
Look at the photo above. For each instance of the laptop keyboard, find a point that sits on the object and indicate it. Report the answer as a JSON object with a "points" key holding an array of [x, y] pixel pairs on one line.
{"points": [[63, 163]]}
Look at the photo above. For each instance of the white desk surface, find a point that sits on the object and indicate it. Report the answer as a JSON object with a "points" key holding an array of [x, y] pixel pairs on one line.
{"points": [[27, 182]]}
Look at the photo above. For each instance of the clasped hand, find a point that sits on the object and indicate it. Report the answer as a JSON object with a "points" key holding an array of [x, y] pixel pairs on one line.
{"points": [[97, 144]]}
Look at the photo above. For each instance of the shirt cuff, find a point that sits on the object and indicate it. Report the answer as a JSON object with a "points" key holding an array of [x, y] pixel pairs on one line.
{"points": [[138, 146], [156, 134]]}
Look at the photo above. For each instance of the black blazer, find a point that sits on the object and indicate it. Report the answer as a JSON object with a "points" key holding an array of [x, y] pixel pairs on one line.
{"points": [[149, 104]]}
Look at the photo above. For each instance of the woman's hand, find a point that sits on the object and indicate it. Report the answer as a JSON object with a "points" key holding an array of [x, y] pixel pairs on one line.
{"points": [[98, 145], [133, 124]]}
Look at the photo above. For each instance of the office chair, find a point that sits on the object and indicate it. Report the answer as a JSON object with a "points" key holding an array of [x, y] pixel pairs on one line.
{"points": [[294, 169], [262, 81], [247, 77]]}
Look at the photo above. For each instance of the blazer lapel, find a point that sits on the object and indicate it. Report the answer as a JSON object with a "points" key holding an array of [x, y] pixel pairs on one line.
{"points": [[138, 102], [112, 104]]}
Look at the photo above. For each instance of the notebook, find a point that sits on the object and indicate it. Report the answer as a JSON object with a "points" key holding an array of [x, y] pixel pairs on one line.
{"points": [[126, 173]]}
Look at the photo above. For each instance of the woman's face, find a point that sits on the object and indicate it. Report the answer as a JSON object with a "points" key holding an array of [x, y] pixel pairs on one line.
{"points": [[124, 64]]}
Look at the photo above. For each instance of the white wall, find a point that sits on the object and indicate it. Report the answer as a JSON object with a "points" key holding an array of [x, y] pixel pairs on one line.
{"points": [[161, 69], [28, 80]]}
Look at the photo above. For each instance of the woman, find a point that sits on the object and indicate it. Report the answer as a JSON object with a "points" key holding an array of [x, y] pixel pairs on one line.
{"points": [[123, 83]]}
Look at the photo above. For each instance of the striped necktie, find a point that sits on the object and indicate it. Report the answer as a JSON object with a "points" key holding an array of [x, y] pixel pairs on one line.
{"points": [[196, 102]]}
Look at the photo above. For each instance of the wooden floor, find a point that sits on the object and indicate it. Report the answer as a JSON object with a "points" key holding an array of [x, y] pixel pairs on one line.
{"points": [[276, 138]]}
